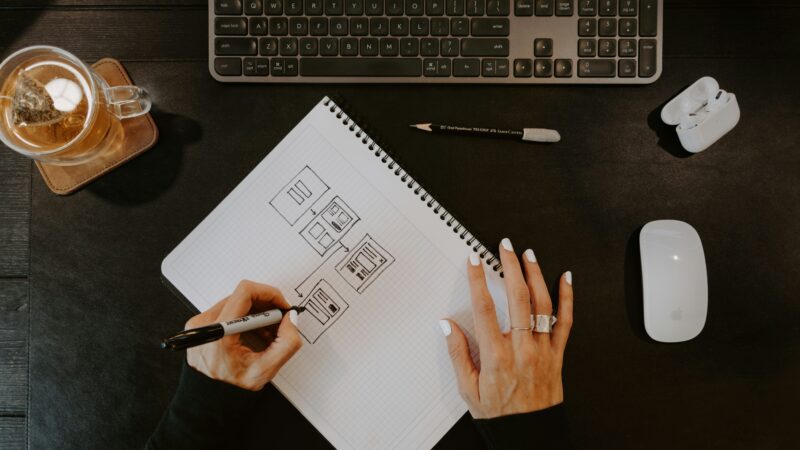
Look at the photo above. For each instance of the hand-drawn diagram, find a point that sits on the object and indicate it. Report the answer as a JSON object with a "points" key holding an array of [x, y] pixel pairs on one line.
{"points": [[324, 306], [324, 230], [328, 227], [361, 266], [299, 195]]}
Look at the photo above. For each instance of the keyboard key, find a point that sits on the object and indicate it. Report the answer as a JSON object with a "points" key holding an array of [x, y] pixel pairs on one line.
{"points": [[288, 46], [262, 66], [268, 46], [564, 7], [273, 7], [227, 7], [628, 7], [627, 27], [442, 67], [627, 68], [490, 27], [587, 47], [587, 27], [359, 26], [379, 26], [294, 7], [258, 26], [395, 7], [647, 56], [542, 47], [319, 26], [409, 47], [252, 8], [434, 7], [587, 7], [440, 26], [468, 67], [276, 67], [484, 47], [488, 68], [544, 8], [235, 46], [360, 67], [398, 26], [415, 7], [249, 65], [348, 46], [429, 47], [309, 47], [334, 7], [455, 7], [648, 19], [607, 27], [429, 67], [523, 68], [627, 47], [449, 47], [290, 67], [497, 8], [374, 7], [338, 26], [298, 26], [419, 27], [523, 7], [230, 26], [476, 7], [543, 68], [369, 47], [596, 68], [328, 47], [563, 68], [501, 67], [390, 47], [607, 47], [228, 66], [354, 7], [608, 7], [279, 26], [314, 7], [459, 27]]}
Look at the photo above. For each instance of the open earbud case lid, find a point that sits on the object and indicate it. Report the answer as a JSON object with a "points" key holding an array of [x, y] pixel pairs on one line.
{"points": [[690, 100]]}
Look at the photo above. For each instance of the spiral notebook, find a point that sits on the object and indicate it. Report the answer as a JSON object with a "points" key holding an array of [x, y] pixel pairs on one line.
{"points": [[332, 219]]}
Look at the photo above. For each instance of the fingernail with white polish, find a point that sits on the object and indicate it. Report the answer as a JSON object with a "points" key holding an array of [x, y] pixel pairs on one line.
{"points": [[445, 326], [530, 256], [293, 317], [568, 277], [506, 243], [474, 259]]}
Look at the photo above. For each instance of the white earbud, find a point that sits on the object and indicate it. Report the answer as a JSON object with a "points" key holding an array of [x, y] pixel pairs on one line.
{"points": [[717, 100]]}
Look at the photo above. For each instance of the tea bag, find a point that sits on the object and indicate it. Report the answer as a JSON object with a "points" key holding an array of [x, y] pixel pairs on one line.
{"points": [[32, 104]]}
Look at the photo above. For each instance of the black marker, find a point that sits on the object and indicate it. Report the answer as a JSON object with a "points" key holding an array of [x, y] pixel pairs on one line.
{"points": [[525, 134], [209, 333]]}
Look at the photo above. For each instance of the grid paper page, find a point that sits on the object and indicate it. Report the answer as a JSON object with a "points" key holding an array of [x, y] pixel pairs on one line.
{"points": [[325, 221]]}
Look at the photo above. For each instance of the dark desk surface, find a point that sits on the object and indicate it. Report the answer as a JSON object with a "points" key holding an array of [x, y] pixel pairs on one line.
{"points": [[93, 258]]}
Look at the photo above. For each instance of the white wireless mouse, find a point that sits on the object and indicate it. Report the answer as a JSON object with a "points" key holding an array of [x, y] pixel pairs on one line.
{"points": [[674, 281]]}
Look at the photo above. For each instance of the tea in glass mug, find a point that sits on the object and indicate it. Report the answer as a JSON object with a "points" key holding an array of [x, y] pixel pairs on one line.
{"points": [[55, 109]]}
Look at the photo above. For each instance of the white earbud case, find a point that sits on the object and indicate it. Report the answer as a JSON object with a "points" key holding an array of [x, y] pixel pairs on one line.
{"points": [[703, 113]]}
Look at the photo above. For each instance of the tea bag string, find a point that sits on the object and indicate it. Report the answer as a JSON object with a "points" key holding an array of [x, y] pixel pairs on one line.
{"points": [[6, 97]]}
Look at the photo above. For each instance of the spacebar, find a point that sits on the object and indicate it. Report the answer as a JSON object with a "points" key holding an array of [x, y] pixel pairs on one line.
{"points": [[360, 67]]}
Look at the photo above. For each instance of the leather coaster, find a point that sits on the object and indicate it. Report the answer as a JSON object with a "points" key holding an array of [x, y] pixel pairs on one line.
{"points": [[141, 134]]}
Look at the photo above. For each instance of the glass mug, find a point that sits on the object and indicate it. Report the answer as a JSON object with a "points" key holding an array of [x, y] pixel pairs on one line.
{"points": [[55, 109]]}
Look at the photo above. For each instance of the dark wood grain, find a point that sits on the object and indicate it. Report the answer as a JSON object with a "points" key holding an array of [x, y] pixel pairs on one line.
{"points": [[13, 347], [12, 433], [15, 191]]}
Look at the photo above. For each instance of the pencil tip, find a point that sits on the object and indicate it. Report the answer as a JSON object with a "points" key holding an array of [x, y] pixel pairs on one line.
{"points": [[413, 126], [299, 309]]}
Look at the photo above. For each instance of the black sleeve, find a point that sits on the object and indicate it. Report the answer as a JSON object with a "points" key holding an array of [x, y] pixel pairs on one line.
{"points": [[204, 413], [545, 429]]}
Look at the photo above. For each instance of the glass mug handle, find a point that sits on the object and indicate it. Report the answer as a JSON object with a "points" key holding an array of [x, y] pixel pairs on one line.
{"points": [[126, 102]]}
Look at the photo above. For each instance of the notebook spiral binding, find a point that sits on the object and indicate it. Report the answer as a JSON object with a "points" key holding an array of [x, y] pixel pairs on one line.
{"points": [[391, 162]]}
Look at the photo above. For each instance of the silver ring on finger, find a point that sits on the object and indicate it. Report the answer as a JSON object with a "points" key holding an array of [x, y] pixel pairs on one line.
{"points": [[542, 323]]}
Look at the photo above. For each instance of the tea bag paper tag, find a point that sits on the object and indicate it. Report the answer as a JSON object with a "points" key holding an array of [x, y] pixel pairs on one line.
{"points": [[32, 104]]}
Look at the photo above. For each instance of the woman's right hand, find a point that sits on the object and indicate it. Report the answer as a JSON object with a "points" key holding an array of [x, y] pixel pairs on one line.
{"points": [[520, 370], [248, 360]]}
